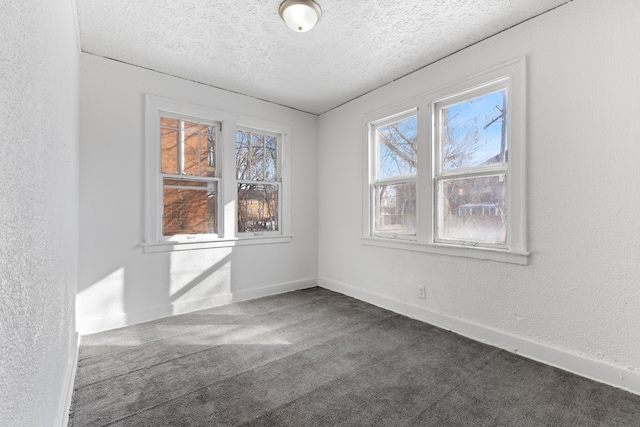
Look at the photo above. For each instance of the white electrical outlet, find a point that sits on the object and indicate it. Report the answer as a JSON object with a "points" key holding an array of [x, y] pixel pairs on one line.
{"points": [[422, 292]]}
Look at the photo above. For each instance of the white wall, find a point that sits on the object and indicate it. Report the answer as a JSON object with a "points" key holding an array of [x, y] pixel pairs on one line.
{"points": [[577, 305], [118, 283], [38, 210]]}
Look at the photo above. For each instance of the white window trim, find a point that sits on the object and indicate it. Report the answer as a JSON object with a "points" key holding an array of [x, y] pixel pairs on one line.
{"points": [[278, 182], [156, 153], [373, 178], [439, 174], [516, 249], [227, 235]]}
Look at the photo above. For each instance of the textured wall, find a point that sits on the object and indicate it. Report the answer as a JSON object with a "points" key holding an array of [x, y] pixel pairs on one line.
{"points": [[38, 208], [118, 283], [581, 292]]}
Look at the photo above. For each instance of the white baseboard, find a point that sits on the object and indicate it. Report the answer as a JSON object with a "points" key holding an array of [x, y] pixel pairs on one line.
{"points": [[89, 326], [280, 288], [598, 370], [69, 380]]}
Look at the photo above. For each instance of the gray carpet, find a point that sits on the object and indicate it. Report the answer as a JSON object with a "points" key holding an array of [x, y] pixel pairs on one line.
{"points": [[318, 358]]}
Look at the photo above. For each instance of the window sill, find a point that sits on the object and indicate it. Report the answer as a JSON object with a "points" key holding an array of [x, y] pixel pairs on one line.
{"points": [[219, 243], [498, 255]]}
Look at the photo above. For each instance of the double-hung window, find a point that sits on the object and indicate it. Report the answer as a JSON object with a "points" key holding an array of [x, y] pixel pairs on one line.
{"points": [[446, 170], [258, 180], [189, 180], [214, 179], [393, 183], [472, 158]]}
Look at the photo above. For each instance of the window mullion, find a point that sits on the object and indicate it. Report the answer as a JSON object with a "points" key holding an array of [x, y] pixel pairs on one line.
{"points": [[374, 149], [264, 156], [250, 154], [376, 154], [199, 150], [181, 149]]}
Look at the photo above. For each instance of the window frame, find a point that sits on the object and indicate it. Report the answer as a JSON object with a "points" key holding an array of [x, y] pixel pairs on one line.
{"points": [[515, 250], [277, 182], [227, 235], [440, 174], [375, 181], [191, 178]]}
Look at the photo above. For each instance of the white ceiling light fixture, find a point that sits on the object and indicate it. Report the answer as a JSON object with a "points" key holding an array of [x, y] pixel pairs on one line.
{"points": [[300, 15]]}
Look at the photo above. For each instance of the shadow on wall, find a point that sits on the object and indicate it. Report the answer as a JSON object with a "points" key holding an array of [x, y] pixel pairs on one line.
{"points": [[143, 287]]}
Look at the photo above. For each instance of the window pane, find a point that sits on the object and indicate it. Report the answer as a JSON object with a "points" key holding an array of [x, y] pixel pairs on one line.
{"points": [[169, 141], [397, 147], [396, 208], [270, 158], [257, 157], [208, 151], [169, 123], [189, 210], [191, 155], [242, 155], [257, 207], [474, 132], [190, 126], [473, 209]]}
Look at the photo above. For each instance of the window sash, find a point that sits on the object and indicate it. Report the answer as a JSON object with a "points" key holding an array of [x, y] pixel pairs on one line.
{"points": [[278, 208], [486, 214], [249, 164], [441, 174], [460, 97], [179, 217], [394, 223], [188, 179], [389, 224], [248, 169], [375, 144], [183, 134]]}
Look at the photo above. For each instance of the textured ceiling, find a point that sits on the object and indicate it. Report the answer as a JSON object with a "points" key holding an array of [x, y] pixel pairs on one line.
{"points": [[243, 45]]}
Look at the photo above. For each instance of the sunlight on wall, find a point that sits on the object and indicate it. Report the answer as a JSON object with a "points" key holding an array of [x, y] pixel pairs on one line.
{"points": [[199, 275], [104, 298]]}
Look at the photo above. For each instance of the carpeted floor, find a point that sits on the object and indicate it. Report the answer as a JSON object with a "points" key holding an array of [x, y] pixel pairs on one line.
{"points": [[318, 358]]}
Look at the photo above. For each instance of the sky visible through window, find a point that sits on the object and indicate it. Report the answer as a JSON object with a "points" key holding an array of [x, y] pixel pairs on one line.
{"points": [[474, 131], [473, 137], [397, 144]]}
